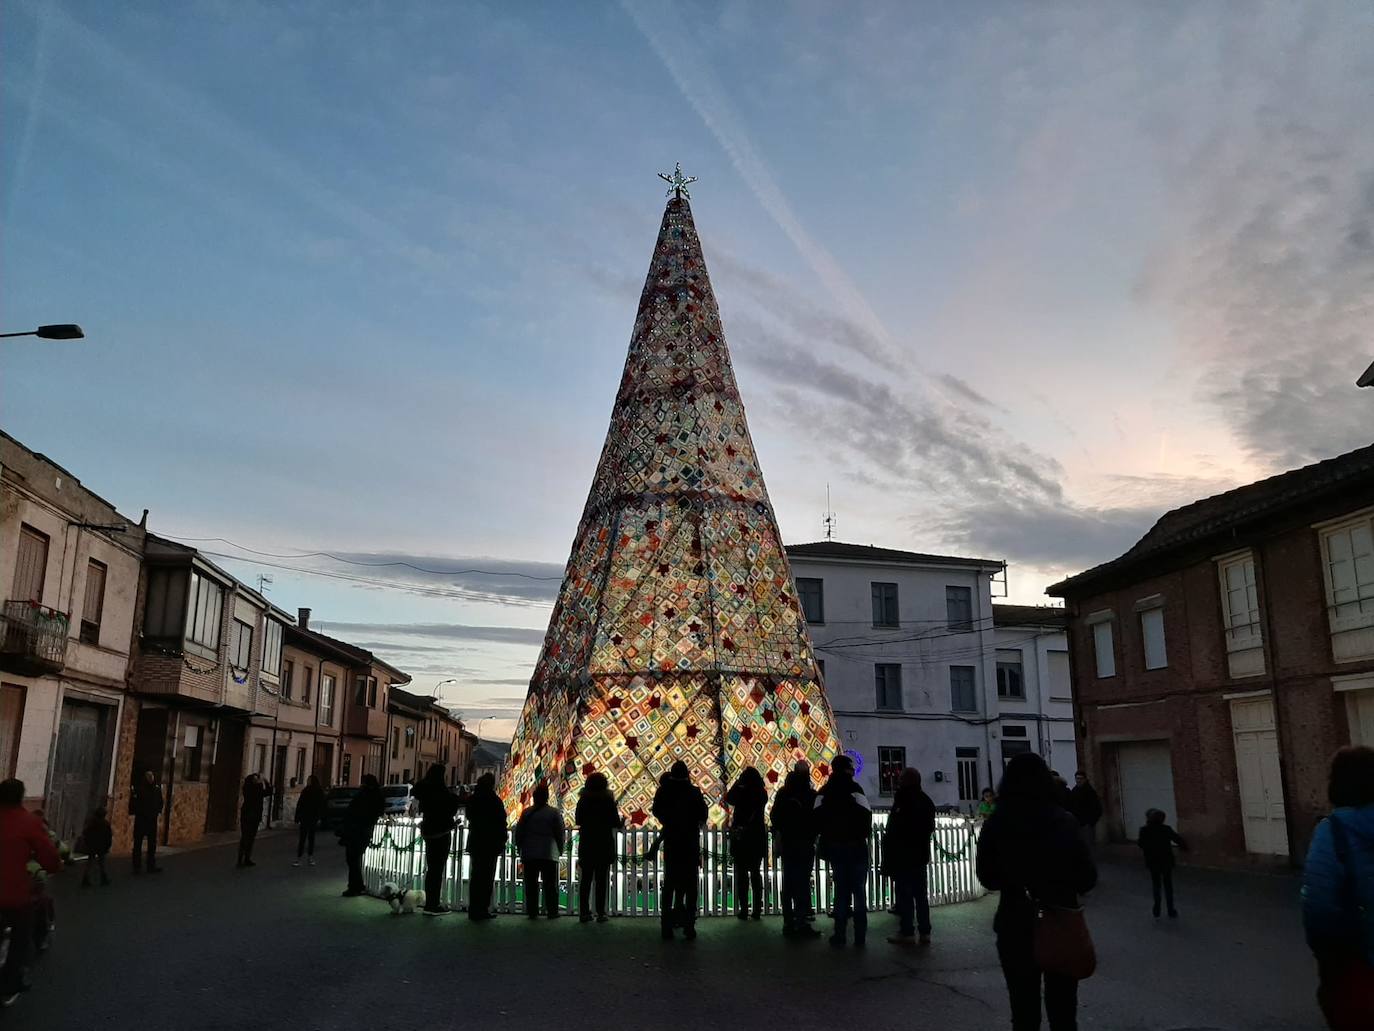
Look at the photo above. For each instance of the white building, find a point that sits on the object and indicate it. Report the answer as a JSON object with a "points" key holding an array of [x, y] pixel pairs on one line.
{"points": [[908, 646], [69, 574], [1034, 699]]}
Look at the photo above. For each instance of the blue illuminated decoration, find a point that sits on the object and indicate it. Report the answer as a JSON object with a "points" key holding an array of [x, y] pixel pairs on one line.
{"points": [[857, 759]]}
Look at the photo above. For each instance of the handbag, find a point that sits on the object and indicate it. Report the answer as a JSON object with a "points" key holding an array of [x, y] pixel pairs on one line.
{"points": [[1346, 993], [1062, 944]]}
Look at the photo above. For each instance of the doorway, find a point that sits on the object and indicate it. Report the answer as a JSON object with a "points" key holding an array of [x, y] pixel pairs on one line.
{"points": [[1261, 783], [1145, 774], [80, 768]]}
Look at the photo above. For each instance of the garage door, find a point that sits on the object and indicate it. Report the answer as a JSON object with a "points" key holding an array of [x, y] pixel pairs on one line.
{"points": [[1145, 772]]}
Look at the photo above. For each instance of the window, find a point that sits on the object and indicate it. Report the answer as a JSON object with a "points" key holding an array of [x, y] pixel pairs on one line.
{"points": [[1009, 682], [372, 692], [94, 605], [963, 696], [395, 742], [887, 678], [271, 647], [242, 644], [1152, 637], [1102, 649], [346, 767], [959, 609], [260, 759], [309, 672], [811, 590], [1061, 681], [164, 610], [1014, 747], [31, 565], [191, 753], [1239, 602], [885, 605], [327, 703], [966, 765], [360, 691], [288, 675], [300, 765], [891, 763], [1349, 556], [206, 601]]}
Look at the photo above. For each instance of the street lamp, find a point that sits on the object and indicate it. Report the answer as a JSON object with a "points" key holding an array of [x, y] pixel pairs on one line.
{"points": [[435, 693], [64, 331]]}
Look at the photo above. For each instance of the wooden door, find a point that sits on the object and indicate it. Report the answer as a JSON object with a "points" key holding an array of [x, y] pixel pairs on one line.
{"points": [[1257, 770]]}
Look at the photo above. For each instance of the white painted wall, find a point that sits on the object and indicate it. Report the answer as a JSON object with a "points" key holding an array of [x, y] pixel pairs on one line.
{"points": [[1047, 710], [849, 646]]}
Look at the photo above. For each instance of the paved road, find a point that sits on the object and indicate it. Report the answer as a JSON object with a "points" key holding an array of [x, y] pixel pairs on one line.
{"points": [[207, 946]]}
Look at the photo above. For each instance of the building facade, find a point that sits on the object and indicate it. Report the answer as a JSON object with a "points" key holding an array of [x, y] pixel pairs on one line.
{"points": [[422, 733], [207, 681], [309, 714], [906, 644], [1220, 661], [69, 578], [1034, 686]]}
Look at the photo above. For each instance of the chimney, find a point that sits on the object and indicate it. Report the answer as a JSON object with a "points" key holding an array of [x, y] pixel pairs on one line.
{"points": [[303, 618]]}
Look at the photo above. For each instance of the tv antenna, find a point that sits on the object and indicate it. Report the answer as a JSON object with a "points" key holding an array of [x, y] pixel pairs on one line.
{"points": [[829, 519], [263, 581]]}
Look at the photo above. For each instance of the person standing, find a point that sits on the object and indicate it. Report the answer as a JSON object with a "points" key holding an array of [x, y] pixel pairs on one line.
{"points": [[1338, 893], [539, 837], [22, 838], [906, 855], [145, 806], [988, 804], [438, 807], [97, 837], [487, 835], [748, 800], [355, 831], [1031, 852], [598, 817], [1157, 840], [255, 792], [680, 808], [845, 821], [309, 809], [1086, 806], [794, 836], [809, 802]]}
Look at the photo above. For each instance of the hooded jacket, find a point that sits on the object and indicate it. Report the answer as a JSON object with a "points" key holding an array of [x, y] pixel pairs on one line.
{"points": [[486, 823], [599, 818], [680, 807], [1338, 885], [843, 815], [22, 837], [539, 833], [438, 807], [906, 843], [1032, 853]]}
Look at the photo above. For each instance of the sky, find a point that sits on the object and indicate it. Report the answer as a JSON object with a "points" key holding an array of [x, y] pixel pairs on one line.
{"points": [[358, 278]]}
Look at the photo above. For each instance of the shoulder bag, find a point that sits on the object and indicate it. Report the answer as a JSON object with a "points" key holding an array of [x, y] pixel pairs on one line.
{"points": [[1062, 942]]}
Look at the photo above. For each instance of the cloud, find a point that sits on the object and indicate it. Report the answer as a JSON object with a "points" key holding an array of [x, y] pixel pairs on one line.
{"points": [[444, 631], [507, 581], [1047, 535]]}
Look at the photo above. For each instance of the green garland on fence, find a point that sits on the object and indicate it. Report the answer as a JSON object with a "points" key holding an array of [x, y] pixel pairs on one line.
{"points": [[645, 857]]}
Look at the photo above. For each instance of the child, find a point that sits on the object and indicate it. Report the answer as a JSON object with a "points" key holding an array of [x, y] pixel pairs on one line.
{"points": [[1157, 840], [988, 805], [96, 839]]}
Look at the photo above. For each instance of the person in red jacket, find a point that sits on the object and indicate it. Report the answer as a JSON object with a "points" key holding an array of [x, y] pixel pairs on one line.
{"points": [[22, 837]]}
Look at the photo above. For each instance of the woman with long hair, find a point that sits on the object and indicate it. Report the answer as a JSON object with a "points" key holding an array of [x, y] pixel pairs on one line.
{"points": [[1032, 852], [748, 799]]}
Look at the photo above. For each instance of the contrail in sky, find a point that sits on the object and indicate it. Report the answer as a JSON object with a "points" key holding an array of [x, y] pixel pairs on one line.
{"points": [[699, 85]]}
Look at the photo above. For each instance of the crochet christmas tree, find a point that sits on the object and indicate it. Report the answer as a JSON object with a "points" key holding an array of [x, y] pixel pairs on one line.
{"points": [[677, 633]]}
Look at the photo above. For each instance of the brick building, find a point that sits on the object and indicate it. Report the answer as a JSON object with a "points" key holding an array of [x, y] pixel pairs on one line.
{"points": [[310, 713], [205, 685], [421, 732], [1220, 661]]}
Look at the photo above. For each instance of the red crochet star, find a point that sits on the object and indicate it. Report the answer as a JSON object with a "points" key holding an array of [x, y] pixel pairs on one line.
{"points": [[588, 769], [792, 742], [632, 741], [655, 701], [638, 817], [614, 702], [769, 716], [772, 776], [756, 695], [692, 732], [747, 733], [806, 708]]}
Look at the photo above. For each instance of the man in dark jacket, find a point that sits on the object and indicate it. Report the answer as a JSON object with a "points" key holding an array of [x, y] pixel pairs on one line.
{"points": [[438, 807], [355, 832], [845, 821], [680, 808], [598, 818], [145, 806], [487, 834], [255, 792], [906, 854], [1086, 807], [794, 836]]}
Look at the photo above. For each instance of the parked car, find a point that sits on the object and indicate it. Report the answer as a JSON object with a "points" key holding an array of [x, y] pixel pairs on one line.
{"points": [[400, 800], [335, 804]]}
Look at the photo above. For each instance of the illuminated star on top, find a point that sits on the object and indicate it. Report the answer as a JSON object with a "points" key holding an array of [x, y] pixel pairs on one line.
{"points": [[677, 181]]}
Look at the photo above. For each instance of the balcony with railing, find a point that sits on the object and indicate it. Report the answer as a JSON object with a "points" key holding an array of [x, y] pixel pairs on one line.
{"points": [[33, 639]]}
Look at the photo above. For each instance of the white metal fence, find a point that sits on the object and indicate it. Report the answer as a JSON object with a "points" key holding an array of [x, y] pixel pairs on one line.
{"points": [[397, 854]]}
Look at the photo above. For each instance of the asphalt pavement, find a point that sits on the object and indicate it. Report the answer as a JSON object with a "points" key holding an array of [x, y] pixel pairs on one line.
{"points": [[207, 946]]}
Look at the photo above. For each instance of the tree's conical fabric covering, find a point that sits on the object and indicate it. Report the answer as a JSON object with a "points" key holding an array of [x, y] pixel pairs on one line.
{"points": [[677, 633]]}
